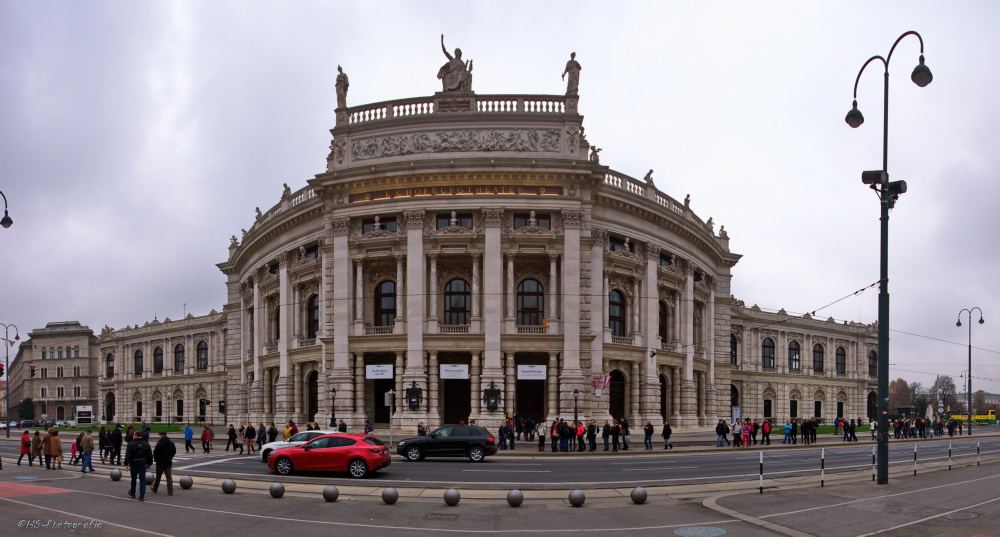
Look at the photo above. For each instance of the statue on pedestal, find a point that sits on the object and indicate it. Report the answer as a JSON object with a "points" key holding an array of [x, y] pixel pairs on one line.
{"points": [[342, 84], [573, 69], [455, 75]]}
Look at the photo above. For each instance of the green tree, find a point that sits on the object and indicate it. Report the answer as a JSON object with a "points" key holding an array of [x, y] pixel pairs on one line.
{"points": [[26, 409], [899, 395]]}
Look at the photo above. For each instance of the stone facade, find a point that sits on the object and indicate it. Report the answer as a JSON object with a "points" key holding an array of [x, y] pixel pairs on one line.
{"points": [[463, 251], [65, 361]]}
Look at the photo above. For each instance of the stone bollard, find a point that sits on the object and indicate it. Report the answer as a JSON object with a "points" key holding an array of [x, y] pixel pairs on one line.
{"points": [[390, 495], [330, 493], [515, 498], [577, 497], [639, 495], [116, 474], [150, 478], [229, 486], [187, 482], [277, 490], [452, 497]]}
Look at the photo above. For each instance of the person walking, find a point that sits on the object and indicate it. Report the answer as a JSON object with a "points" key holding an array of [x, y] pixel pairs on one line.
{"points": [[765, 430], [737, 433], [206, 439], [241, 438], [592, 435], [667, 430], [231, 435], [788, 433], [75, 448], [188, 438], [272, 432], [606, 434], [342, 427], [626, 433], [138, 458], [163, 456], [616, 432], [55, 446], [36, 448], [541, 429], [116, 445], [47, 449], [87, 453], [251, 435], [262, 435], [647, 436], [745, 432], [26, 449], [103, 443], [721, 430]]}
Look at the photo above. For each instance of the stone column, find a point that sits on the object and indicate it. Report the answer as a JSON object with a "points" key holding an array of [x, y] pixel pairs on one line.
{"points": [[635, 381], [637, 305], [476, 383], [359, 293], [416, 309], [572, 375], [689, 396], [710, 389], [397, 374], [493, 297], [598, 296], [475, 287], [359, 388], [337, 280], [269, 392], [510, 286], [509, 383], [553, 289], [553, 386], [432, 292], [297, 376], [285, 390], [400, 291], [432, 387]]}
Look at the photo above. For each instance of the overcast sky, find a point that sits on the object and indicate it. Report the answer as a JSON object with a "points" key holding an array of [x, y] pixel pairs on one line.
{"points": [[136, 137]]}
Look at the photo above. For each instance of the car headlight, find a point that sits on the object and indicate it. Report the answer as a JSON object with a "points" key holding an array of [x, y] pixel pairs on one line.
{"points": [[401, 442]]}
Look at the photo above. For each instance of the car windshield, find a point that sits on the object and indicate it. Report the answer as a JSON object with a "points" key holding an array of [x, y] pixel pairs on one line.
{"points": [[300, 437], [443, 431], [373, 442]]}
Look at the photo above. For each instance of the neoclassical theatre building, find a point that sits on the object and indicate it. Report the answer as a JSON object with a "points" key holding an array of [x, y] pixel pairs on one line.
{"points": [[471, 254]]}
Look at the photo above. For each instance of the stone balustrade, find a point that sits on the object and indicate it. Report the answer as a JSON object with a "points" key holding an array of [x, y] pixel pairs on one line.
{"points": [[463, 102]]}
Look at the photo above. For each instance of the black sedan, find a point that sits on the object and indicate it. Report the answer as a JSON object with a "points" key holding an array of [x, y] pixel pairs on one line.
{"points": [[450, 441]]}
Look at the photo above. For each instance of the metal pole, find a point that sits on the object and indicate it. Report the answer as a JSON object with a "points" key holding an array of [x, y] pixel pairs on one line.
{"points": [[762, 472], [822, 467], [914, 458], [883, 303], [968, 388]]}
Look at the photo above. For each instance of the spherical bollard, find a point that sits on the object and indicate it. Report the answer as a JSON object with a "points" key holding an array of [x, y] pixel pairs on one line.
{"points": [[639, 495], [390, 495], [330, 493], [577, 497], [116, 474], [187, 482], [452, 497], [277, 490], [229, 486], [515, 498], [149, 478]]}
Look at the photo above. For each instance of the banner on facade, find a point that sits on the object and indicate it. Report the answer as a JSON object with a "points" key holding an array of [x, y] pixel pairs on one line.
{"points": [[455, 371], [378, 371], [531, 372]]}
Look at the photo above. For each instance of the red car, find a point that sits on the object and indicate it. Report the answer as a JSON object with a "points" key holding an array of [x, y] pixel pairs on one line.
{"points": [[356, 454]]}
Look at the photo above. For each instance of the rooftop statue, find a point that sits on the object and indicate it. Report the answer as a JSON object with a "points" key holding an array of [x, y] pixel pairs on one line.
{"points": [[573, 68], [455, 75], [342, 84]]}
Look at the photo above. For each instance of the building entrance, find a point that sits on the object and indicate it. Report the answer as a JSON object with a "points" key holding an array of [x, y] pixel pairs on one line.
{"points": [[382, 411], [530, 400], [312, 399], [456, 400], [616, 394]]}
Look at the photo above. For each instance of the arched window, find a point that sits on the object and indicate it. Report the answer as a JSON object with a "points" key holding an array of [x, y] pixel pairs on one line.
{"points": [[734, 396], [76, 371], [663, 322], [385, 303], [312, 317], [616, 313], [818, 358], [732, 349], [767, 353], [44, 354], [157, 360], [76, 391], [276, 325], [137, 362], [202, 355], [841, 361], [60, 392], [872, 364], [530, 303], [457, 297], [76, 352], [109, 366], [179, 358], [794, 356], [43, 392], [60, 352]]}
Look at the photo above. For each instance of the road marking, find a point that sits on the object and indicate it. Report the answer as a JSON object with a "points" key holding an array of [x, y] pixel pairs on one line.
{"points": [[10, 490], [659, 468], [931, 517], [188, 467], [513, 471], [86, 517]]}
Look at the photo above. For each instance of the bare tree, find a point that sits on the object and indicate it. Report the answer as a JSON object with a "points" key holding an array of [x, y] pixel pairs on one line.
{"points": [[945, 386], [899, 395], [979, 401]]}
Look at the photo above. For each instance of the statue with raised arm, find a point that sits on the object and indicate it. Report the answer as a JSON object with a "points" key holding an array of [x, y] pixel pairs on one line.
{"points": [[573, 69], [342, 84], [454, 75]]}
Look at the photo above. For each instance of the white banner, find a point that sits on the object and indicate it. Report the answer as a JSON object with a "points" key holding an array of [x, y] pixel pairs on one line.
{"points": [[531, 372], [378, 371], [454, 371]]}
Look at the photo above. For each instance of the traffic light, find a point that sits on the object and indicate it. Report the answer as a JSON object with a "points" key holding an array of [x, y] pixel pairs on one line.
{"points": [[1, 370], [222, 407], [32, 370]]}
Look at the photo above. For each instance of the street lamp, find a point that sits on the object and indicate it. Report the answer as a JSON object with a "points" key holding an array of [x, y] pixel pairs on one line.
{"points": [[6, 221], [888, 194], [8, 344], [968, 386], [576, 405], [333, 408]]}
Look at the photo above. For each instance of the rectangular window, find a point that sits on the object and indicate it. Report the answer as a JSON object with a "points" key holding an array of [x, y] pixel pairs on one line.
{"points": [[384, 224], [767, 408], [180, 407], [447, 220], [159, 408], [616, 243], [543, 221], [818, 409], [840, 409], [793, 409], [666, 260]]}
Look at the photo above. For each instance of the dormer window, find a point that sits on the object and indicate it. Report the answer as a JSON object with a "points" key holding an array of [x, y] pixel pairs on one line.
{"points": [[532, 219], [378, 224], [452, 219], [312, 252], [666, 260]]}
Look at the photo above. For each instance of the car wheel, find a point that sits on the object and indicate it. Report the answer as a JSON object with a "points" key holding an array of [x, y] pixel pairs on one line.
{"points": [[357, 468], [264, 454], [477, 454], [413, 453], [283, 466]]}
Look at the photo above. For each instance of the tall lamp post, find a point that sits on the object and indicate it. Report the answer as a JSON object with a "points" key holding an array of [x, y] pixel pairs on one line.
{"points": [[968, 386], [889, 192], [8, 343], [6, 221], [576, 406], [333, 408]]}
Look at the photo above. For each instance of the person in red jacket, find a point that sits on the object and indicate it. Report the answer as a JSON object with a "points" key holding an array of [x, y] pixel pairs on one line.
{"points": [[26, 449]]}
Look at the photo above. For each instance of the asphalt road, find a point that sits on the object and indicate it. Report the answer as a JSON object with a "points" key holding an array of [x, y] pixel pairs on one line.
{"points": [[529, 469]]}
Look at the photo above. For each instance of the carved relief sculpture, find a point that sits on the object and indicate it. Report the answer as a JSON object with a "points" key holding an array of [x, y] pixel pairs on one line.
{"points": [[540, 140]]}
